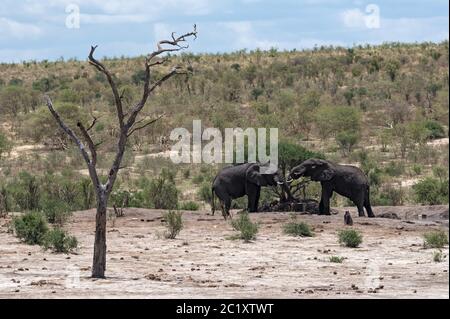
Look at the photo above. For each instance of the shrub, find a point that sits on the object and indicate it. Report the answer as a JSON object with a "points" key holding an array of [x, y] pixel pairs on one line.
{"points": [[346, 141], [198, 179], [26, 192], [435, 239], [56, 211], [297, 229], [336, 259], [245, 226], [190, 205], [435, 129], [350, 238], [431, 191], [437, 256], [31, 227], [162, 193], [5, 144], [174, 223], [204, 192], [59, 241]]}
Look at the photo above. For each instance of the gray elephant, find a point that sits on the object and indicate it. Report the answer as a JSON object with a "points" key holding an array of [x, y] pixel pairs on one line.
{"points": [[244, 179], [346, 180]]}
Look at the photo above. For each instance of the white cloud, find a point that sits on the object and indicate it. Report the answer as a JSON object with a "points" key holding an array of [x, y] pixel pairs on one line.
{"points": [[13, 29], [112, 19], [353, 18]]}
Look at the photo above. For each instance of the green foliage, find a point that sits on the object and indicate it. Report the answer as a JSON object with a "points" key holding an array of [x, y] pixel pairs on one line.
{"points": [[174, 223], [162, 192], [431, 191], [332, 120], [435, 239], [31, 227], [246, 228], [290, 155], [346, 141], [336, 259], [5, 144], [435, 129], [26, 191], [294, 228], [394, 168], [56, 211], [59, 241], [350, 238], [190, 205], [204, 192]]}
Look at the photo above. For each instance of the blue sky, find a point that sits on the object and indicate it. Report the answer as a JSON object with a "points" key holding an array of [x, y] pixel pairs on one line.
{"points": [[36, 29]]}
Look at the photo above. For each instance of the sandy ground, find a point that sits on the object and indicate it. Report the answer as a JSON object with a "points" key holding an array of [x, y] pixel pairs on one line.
{"points": [[203, 263]]}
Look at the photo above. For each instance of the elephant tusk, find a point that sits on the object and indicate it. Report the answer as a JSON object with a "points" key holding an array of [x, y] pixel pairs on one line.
{"points": [[280, 183], [289, 181]]}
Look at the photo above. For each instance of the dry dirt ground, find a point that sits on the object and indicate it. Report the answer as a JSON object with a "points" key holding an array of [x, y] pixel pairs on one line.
{"points": [[203, 263]]}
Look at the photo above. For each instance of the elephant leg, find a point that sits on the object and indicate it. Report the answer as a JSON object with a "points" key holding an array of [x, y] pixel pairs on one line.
{"points": [[253, 198], [324, 209], [225, 201], [359, 202], [367, 205]]}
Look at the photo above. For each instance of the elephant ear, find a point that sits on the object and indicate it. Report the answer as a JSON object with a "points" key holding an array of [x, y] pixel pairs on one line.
{"points": [[326, 174], [254, 176]]}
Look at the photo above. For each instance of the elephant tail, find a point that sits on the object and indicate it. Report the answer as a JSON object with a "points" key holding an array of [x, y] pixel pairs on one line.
{"points": [[213, 206]]}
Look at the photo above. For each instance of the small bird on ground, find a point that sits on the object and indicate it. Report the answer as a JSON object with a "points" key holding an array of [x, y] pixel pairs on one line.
{"points": [[348, 219]]}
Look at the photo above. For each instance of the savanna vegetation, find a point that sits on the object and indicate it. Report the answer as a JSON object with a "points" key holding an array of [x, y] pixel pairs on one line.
{"points": [[384, 108]]}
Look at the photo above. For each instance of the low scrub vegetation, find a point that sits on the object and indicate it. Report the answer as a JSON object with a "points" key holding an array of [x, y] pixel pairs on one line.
{"points": [[295, 228], [33, 229], [435, 239], [336, 259], [59, 241], [246, 228], [174, 223], [350, 238]]}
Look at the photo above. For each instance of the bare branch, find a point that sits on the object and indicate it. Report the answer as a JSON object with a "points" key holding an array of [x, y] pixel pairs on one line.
{"points": [[145, 125], [90, 143], [117, 98], [75, 139], [92, 124], [174, 44]]}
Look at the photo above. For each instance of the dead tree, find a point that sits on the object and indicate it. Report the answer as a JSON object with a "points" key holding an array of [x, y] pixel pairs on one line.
{"points": [[127, 124]]}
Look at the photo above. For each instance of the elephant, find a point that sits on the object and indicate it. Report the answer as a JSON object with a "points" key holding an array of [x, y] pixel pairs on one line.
{"points": [[346, 180], [244, 179]]}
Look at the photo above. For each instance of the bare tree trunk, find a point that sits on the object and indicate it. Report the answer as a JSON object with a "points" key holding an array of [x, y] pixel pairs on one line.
{"points": [[127, 128], [99, 260]]}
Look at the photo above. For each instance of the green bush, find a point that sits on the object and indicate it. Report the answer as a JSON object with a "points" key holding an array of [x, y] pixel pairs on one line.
{"points": [[198, 179], [435, 129], [26, 192], [56, 211], [190, 205], [431, 191], [336, 259], [174, 223], [435, 239], [162, 193], [59, 241], [204, 192], [5, 144], [294, 228], [245, 227], [31, 227], [350, 238]]}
